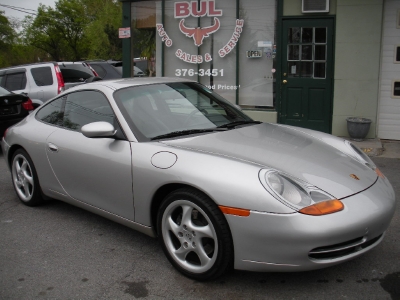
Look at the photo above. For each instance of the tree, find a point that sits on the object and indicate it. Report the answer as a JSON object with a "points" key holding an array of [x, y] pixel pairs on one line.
{"points": [[41, 33], [59, 31], [102, 32], [7, 33], [77, 29]]}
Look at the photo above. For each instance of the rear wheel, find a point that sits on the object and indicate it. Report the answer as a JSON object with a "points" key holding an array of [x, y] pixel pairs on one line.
{"points": [[25, 179], [195, 235]]}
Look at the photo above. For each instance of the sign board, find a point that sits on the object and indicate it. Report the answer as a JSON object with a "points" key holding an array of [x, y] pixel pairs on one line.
{"points": [[264, 44], [254, 54], [124, 33]]}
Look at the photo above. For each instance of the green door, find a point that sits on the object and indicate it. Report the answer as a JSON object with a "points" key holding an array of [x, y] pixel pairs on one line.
{"points": [[307, 72]]}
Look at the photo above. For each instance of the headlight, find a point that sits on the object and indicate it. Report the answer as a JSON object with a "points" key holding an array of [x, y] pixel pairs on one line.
{"points": [[298, 195]]}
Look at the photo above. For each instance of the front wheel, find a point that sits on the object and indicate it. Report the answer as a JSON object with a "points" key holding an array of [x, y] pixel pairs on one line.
{"points": [[194, 235], [25, 179]]}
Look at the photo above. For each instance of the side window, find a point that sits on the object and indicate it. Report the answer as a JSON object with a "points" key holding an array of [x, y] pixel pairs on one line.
{"points": [[1, 80], [15, 81], [42, 76], [85, 107], [52, 112]]}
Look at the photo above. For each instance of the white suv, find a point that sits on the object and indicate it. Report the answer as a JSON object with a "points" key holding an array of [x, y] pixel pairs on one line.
{"points": [[40, 81], [43, 81]]}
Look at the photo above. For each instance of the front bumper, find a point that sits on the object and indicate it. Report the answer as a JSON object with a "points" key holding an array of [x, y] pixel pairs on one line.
{"points": [[297, 242]]}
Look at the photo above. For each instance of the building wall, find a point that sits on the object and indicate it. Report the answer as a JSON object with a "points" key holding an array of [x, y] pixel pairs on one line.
{"points": [[357, 59], [389, 106], [357, 62]]}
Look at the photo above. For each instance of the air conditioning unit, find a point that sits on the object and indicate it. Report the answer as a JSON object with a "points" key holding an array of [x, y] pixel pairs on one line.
{"points": [[315, 6]]}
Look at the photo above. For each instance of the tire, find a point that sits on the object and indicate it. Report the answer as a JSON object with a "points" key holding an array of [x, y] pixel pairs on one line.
{"points": [[194, 235], [25, 179]]}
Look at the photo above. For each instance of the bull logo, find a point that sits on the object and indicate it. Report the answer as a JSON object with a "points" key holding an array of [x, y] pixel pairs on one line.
{"points": [[199, 33]]}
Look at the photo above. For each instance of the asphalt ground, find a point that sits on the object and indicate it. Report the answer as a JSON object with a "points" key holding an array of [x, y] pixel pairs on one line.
{"points": [[58, 251]]}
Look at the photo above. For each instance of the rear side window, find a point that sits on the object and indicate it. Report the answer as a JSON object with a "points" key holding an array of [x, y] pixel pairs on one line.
{"points": [[42, 76], [52, 112], [86, 107], [16, 81]]}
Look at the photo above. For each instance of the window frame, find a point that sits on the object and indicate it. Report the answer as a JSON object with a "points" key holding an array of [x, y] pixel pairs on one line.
{"points": [[117, 124], [392, 95]]}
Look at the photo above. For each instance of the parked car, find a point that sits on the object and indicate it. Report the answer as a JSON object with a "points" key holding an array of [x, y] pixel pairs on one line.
{"points": [[40, 81], [141, 64], [75, 73], [13, 108], [173, 159], [137, 72], [105, 69], [43, 81]]}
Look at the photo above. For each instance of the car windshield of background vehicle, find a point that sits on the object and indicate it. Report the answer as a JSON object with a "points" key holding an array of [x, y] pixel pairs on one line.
{"points": [[160, 109], [199, 40]]}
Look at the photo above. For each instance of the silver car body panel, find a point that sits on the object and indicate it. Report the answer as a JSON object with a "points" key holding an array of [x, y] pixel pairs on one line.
{"points": [[278, 147], [118, 180], [272, 232], [78, 158]]}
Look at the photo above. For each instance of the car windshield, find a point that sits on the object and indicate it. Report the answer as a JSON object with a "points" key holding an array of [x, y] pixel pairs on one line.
{"points": [[155, 111], [4, 92]]}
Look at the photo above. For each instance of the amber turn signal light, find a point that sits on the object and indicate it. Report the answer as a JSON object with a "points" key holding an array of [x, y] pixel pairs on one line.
{"points": [[323, 208], [379, 173], [235, 211]]}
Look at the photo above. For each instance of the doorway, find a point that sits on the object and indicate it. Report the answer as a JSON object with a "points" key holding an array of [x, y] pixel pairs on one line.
{"points": [[306, 84]]}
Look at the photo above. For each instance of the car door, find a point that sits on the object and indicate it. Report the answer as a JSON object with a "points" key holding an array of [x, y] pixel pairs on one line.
{"points": [[44, 86], [96, 171]]}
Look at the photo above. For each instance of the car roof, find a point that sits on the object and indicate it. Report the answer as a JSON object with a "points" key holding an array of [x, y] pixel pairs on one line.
{"points": [[29, 65], [117, 84]]}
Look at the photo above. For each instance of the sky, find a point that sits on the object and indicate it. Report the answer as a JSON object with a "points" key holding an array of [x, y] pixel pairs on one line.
{"points": [[28, 5]]}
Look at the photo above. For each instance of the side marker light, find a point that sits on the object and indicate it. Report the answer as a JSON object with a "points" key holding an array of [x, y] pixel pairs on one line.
{"points": [[235, 211], [379, 173]]}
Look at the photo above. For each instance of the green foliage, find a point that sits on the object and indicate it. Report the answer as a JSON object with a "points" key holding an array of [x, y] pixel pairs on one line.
{"points": [[73, 30], [7, 33], [102, 32]]}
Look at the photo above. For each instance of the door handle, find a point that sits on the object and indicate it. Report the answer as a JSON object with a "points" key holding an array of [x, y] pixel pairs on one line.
{"points": [[284, 81], [52, 147]]}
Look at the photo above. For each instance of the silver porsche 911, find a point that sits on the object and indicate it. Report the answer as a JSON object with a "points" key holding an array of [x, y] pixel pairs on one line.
{"points": [[172, 159]]}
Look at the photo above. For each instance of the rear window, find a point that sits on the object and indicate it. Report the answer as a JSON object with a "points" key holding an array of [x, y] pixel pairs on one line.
{"points": [[75, 72], [42, 76], [16, 81], [99, 70]]}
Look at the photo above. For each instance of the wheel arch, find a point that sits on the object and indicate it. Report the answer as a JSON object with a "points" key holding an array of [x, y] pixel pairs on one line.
{"points": [[11, 152], [160, 195]]}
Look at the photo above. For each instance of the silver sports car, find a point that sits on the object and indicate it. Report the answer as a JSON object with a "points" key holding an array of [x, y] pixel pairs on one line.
{"points": [[172, 159]]}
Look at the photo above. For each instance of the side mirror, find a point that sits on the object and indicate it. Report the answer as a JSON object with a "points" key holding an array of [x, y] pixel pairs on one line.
{"points": [[98, 130]]}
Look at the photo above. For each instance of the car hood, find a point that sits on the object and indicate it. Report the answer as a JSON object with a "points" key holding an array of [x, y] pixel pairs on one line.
{"points": [[291, 151]]}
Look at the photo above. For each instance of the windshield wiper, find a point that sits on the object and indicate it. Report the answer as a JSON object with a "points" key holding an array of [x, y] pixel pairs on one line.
{"points": [[186, 132], [237, 123]]}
